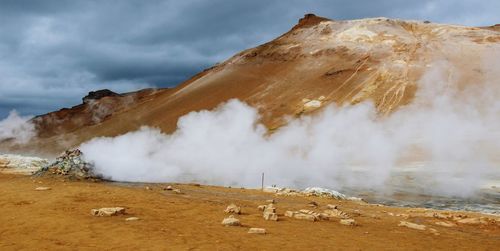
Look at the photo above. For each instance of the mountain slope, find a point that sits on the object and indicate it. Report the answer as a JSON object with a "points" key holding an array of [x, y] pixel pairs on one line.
{"points": [[318, 62]]}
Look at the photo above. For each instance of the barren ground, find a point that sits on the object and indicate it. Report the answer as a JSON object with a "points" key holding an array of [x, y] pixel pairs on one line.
{"points": [[59, 219]]}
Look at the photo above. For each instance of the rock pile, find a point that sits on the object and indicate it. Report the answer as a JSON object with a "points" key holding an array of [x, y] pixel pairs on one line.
{"points": [[70, 164]]}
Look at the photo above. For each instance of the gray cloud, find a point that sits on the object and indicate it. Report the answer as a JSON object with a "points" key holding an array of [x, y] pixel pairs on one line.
{"points": [[53, 52]]}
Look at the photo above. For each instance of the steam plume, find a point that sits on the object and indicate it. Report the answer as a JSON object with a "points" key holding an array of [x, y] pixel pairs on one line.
{"points": [[446, 142], [16, 128]]}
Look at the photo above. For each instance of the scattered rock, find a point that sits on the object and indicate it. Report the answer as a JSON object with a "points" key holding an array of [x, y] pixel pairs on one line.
{"points": [[312, 204], [233, 209], [411, 225], [231, 221], [177, 191], [433, 231], [132, 219], [348, 222], [108, 211], [168, 188], [289, 213], [270, 216], [335, 213], [270, 213], [149, 188], [330, 206], [405, 216], [261, 207], [42, 188], [472, 221], [270, 201], [255, 230], [302, 216], [445, 224]]}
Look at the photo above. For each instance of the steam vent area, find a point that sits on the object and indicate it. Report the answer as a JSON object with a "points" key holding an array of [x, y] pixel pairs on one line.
{"points": [[364, 134]]}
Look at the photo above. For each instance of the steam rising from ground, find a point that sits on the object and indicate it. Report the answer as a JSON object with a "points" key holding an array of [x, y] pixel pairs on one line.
{"points": [[17, 128], [444, 143]]}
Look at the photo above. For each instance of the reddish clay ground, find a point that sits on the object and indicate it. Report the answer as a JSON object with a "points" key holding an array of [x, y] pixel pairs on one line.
{"points": [[59, 219]]}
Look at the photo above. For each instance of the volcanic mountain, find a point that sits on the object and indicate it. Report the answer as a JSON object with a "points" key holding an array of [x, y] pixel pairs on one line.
{"points": [[318, 62]]}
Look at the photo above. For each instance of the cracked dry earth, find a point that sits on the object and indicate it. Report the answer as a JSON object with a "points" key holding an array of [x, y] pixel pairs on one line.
{"points": [[59, 219]]}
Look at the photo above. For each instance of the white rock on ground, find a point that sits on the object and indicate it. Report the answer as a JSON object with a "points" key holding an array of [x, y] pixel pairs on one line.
{"points": [[255, 230], [411, 225], [331, 206], [42, 188], [132, 219], [270, 216], [289, 213], [348, 222], [107, 211], [270, 213], [445, 224], [231, 221], [233, 209], [473, 221]]}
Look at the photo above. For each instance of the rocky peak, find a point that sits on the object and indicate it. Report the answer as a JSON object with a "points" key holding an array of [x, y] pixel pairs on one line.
{"points": [[309, 20], [96, 95]]}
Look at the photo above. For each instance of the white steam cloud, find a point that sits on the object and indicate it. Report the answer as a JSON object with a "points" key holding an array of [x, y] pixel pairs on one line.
{"points": [[446, 142], [17, 128]]}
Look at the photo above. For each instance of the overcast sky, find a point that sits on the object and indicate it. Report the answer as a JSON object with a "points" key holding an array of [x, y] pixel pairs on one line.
{"points": [[53, 52]]}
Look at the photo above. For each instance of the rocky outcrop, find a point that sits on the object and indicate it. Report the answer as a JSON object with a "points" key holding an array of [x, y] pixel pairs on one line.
{"points": [[96, 95]]}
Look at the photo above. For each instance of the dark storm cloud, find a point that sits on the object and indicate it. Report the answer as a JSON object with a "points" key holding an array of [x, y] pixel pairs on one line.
{"points": [[54, 52]]}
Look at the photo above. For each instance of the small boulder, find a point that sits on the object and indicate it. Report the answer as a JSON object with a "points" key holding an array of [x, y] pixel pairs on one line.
{"points": [[312, 204], [335, 213], [42, 188], [255, 230], [348, 222], [472, 221], [132, 219], [233, 209], [270, 216], [445, 224], [108, 211], [411, 225], [231, 221], [289, 213], [331, 206]]}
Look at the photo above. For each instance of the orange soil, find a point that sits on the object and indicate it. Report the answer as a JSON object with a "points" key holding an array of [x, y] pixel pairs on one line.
{"points": [[59, 219]]}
